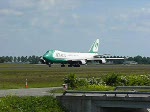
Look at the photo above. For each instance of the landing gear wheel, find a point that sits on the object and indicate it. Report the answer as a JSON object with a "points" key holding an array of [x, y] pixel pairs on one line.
{"points": [[76, 65], [63, 65], [69, 65], [49, 64]]}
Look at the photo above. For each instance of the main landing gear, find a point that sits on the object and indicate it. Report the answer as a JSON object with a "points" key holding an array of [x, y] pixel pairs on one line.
{"points": [[71, 65], [62, 65], [75, 65], [49, 64]]}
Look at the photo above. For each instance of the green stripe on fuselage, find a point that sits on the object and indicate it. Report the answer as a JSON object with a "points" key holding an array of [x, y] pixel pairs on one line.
{"points": [[49, 57]]}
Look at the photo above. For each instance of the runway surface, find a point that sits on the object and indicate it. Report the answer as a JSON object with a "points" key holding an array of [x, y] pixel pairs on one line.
{"points": [[29, 92]]}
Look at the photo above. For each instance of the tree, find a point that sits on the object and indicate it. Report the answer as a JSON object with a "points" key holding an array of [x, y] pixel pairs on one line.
{"points": [[2, 59], [15, 59], [18, 59], [10, 59], [22, 59], [138, 59]]}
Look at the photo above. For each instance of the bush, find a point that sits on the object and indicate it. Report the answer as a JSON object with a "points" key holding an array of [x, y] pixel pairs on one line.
{"points": [[131, 80], [74, 82], [138, 80], [105, 82], [71, 80], [82, 82], [112, 79], [30, 104]]}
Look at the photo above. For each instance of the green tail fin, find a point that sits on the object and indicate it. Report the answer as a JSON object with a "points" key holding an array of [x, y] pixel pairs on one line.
{"points": [[94, 47]]}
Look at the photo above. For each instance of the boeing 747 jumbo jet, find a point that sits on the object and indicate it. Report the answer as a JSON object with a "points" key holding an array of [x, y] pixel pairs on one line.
{"points": [[73, 59]]}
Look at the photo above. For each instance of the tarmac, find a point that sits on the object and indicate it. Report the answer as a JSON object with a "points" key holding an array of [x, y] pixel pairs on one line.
{"points": [[30, 92]]}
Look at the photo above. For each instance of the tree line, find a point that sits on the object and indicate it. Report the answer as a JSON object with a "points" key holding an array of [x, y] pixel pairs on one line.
{"points": [[140, 59], [20, 59], [36, 59]]}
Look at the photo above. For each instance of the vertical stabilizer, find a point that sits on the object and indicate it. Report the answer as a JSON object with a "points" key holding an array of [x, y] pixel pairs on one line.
{"points": [[94, 47]]}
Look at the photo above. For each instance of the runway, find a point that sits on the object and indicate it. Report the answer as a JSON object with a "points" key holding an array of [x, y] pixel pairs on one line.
{"points": [[28, 92]]}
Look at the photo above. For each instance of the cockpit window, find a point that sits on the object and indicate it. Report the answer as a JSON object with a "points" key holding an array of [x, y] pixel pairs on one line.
{"points": [[47, 52]]}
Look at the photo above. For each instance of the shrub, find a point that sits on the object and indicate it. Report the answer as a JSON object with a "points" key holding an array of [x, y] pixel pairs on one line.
{"points": [[30, 104], [109, 80], [138, 80], [112, 79], [71, 80], [82, 82]]}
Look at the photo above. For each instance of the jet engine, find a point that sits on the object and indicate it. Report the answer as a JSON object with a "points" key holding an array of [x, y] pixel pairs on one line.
{"points": [[103, 60], [83, 62]]}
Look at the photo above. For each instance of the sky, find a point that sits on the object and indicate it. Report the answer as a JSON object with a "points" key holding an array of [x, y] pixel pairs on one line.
{"points": [[31, 27]]}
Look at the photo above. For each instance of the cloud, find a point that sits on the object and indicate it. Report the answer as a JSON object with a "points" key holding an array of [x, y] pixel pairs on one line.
{"points": [[10, 12], [57, 5], [46, 4], [135, 20], [54, 13], [22, 4]]}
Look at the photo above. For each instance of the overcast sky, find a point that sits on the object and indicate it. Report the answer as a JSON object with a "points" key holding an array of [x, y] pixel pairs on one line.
{"points": [[31, 27]]}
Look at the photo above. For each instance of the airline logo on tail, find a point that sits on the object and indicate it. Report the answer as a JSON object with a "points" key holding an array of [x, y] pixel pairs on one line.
{"points": [[94, 47]]}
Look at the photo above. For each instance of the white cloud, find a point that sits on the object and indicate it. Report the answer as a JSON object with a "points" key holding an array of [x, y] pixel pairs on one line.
{"points": [[57, 5], [46, 4], [52, 13], [10, 12], [135, 20]]}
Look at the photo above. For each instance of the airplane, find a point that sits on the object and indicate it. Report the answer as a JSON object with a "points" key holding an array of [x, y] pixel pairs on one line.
{"points": [[74, 59]]}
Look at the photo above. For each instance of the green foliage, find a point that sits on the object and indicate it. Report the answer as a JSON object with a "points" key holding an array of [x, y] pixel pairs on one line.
{"points": [[23, 59], [93, 81], [74, 82], [111, 80], [2, 59], [138, 80], [115, 80], [90, 84], [107, 82], [71, 80], [30, 104], [82, 82], [130, 80], [140, 59]]}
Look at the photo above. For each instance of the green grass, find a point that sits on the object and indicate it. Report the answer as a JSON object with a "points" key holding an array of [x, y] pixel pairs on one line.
{"points": [[15, 75], [30, 104]]}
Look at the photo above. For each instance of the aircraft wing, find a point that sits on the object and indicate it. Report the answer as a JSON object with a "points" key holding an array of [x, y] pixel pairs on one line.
{"points": [[115, 58], [107, 58]]}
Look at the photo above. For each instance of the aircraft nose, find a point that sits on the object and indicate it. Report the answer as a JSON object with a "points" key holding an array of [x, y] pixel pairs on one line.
{"points": [[45, 56]]}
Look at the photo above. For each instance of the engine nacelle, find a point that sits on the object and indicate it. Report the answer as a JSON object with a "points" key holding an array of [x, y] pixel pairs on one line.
{"points": [[102, 61], [83, 62]]}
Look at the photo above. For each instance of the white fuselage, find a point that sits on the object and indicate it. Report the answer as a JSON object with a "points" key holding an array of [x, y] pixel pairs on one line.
{"points": [[59, 55]]}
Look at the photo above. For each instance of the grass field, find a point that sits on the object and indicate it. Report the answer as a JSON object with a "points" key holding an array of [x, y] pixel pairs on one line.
{"points": [[15, 75]]}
